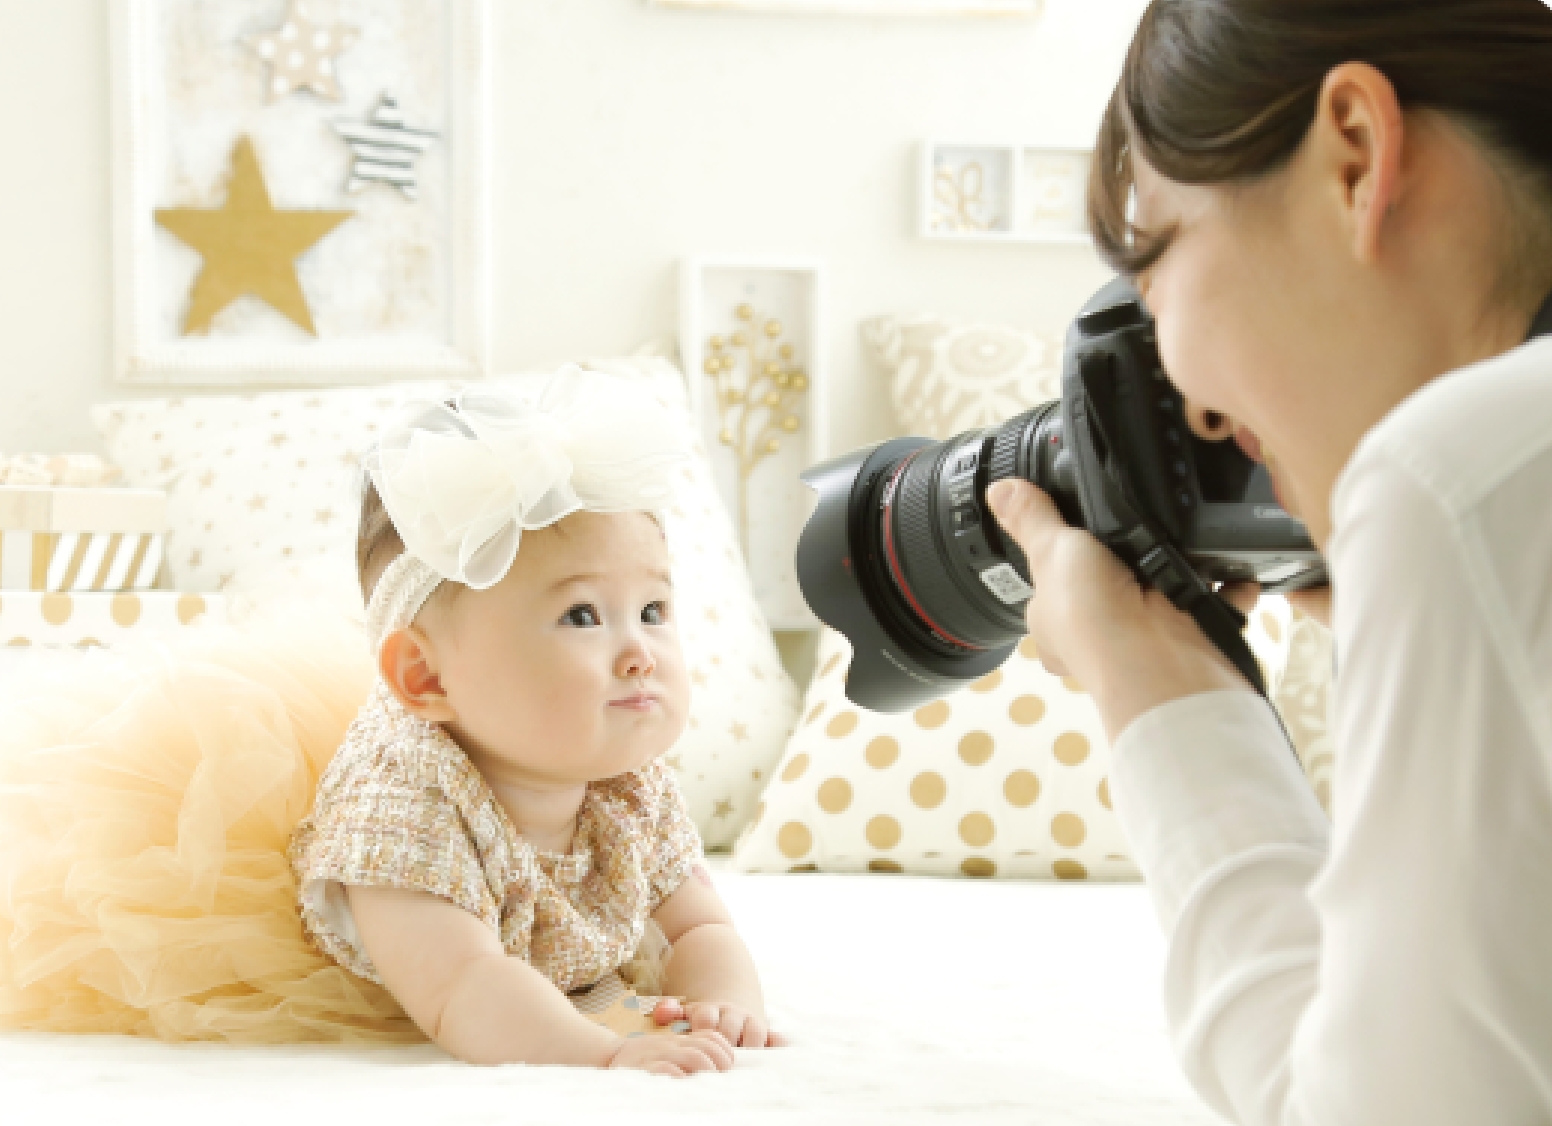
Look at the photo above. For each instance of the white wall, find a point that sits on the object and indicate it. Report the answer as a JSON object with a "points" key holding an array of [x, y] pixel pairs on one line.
{"points": [[626, 136]]}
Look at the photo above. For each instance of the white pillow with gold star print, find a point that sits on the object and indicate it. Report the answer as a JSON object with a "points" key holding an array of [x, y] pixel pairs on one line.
{"points": [[263, 495], [1008, 777]]}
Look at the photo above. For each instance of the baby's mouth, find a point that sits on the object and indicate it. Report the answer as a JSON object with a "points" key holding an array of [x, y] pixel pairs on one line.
{"points": [[636, 702]]}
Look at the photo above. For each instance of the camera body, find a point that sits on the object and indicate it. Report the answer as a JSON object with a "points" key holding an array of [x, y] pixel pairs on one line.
{"points": [[902, 556]]}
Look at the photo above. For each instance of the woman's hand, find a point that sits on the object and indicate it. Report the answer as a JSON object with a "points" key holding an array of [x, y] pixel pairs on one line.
{"points": [[1131, 649], [1315, 602], [704, 1050], [742, 1028]]}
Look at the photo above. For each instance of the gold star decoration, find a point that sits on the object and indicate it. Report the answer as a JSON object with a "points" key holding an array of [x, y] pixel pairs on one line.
{"points": [[301, 55], [723, 808], [248, 246], [739, 732]]}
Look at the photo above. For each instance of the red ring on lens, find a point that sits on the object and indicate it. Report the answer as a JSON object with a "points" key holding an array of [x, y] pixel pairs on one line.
{"points": [[898, 572]]}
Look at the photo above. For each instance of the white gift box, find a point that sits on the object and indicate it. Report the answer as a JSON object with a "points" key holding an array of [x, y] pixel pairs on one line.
{"points": [[100, 617], [80, 539]]}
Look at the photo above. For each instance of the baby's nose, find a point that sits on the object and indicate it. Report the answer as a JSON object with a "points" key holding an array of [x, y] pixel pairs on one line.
{"points": [[636, 662]]}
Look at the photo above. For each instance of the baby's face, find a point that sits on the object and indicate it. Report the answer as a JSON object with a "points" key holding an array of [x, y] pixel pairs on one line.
{"points": [[569, 669]]}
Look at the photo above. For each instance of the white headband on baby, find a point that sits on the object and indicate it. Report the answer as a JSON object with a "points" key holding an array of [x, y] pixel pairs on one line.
{"points": [[462, 483]]}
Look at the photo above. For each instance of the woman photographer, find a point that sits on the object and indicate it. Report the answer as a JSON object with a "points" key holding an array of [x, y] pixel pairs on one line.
{"points": [[1340, 213]]}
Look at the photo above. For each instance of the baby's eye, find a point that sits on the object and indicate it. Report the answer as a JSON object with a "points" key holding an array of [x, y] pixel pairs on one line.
{"points": [[655, 613], [582, 615]]}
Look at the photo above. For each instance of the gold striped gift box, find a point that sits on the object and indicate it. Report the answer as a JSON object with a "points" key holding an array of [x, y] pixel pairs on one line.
{"points": [[68, 539]]}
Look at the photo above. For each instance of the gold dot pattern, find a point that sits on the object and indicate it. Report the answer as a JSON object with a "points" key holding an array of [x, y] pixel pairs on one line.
{"points": [[125, 610], [977, 830], [794, 769], [842, 725], [882, 752], [1007, 778], [1026, 711], [56, 609], [933, 716], [976, 748], [1022, 789], [883, 832], [795, 840], [1071, 748], [928, 789], [988, 683], [835, 795], [1068, 830], [831, 665]]}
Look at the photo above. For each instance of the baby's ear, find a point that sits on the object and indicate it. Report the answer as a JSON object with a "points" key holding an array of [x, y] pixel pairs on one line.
{"points": [[407, 662]]}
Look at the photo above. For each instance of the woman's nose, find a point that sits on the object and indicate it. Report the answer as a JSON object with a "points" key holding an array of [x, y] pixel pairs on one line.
{"points": [[1208, 425]]}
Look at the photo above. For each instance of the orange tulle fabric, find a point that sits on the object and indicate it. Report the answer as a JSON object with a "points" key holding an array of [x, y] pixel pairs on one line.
{"points": [[146, 798]]}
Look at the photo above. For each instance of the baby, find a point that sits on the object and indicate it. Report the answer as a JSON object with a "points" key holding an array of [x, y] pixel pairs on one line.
{"points": [[498, 829]]}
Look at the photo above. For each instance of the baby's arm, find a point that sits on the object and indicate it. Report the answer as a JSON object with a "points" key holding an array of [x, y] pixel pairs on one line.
{"points": [[710, 966], [448, 970]]}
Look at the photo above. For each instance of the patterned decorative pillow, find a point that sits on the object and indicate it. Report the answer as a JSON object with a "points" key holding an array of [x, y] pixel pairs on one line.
{"points": [[263, 493], [1005, 778], [949, 376]]}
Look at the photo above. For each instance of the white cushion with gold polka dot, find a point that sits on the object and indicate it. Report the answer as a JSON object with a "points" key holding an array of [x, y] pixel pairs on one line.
{"points": [[263, 491], [1005, 778]]}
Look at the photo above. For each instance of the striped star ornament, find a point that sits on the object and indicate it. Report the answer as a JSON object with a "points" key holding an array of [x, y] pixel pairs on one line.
{"points": [[384, 149]]}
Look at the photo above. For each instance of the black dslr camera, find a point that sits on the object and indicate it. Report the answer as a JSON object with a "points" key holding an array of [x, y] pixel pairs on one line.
{"points": [[903, 557]]}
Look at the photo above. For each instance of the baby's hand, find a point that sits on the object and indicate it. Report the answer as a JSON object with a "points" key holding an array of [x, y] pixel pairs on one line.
{"points": [[701, 1050], [742, 1028]]}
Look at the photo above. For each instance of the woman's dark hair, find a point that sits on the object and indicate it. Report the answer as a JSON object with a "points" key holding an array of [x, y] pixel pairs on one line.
{"points": [[1225, 91]]}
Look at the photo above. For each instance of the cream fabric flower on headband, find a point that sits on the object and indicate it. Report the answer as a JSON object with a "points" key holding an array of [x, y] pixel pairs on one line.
{"points": [[463, 483]]}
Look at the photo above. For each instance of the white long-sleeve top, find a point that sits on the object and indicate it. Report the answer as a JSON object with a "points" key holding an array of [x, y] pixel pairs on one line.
{"points": [[1390, 966]]}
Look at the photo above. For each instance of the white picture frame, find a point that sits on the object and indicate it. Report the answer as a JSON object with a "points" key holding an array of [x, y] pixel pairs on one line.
{"points": [[452, 338], [1027, 9], [995, 192], [791, 290]]}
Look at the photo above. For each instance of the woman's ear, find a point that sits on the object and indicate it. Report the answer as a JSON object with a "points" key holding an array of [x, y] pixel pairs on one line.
{"points": [[408, 664], [1359, 130]]}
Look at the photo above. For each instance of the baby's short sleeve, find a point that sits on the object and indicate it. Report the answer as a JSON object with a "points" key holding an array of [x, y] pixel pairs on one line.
{"points": [[673, 846], [375, 825]]}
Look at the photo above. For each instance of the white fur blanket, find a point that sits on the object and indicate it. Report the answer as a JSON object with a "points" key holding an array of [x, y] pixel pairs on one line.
{"points": [[907, 1000]]}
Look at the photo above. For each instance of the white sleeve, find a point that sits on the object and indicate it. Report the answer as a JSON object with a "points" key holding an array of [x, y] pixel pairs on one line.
{"points": [[1388, 966]]}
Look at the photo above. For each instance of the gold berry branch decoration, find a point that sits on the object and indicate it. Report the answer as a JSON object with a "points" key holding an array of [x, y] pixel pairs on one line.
{"points": [[758, 386]]}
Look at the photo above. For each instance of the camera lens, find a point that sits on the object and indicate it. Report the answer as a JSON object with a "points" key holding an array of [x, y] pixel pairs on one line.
{"points": [[953, 583]]}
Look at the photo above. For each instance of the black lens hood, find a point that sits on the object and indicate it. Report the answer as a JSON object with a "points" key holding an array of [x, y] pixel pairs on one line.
{"points": [[840, 579]]}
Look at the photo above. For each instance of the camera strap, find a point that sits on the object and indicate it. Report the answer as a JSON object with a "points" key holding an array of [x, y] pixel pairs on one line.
{"points": [[1220, 620]]}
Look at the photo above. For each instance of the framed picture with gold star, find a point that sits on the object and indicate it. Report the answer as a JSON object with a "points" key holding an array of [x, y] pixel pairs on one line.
{"points": [[300, 191]]}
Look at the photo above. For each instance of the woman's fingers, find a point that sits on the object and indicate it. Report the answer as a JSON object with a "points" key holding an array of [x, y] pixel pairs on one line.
{"points": [[1315, 602], [1242, 596], [774, 1039], [1025, 513]]}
